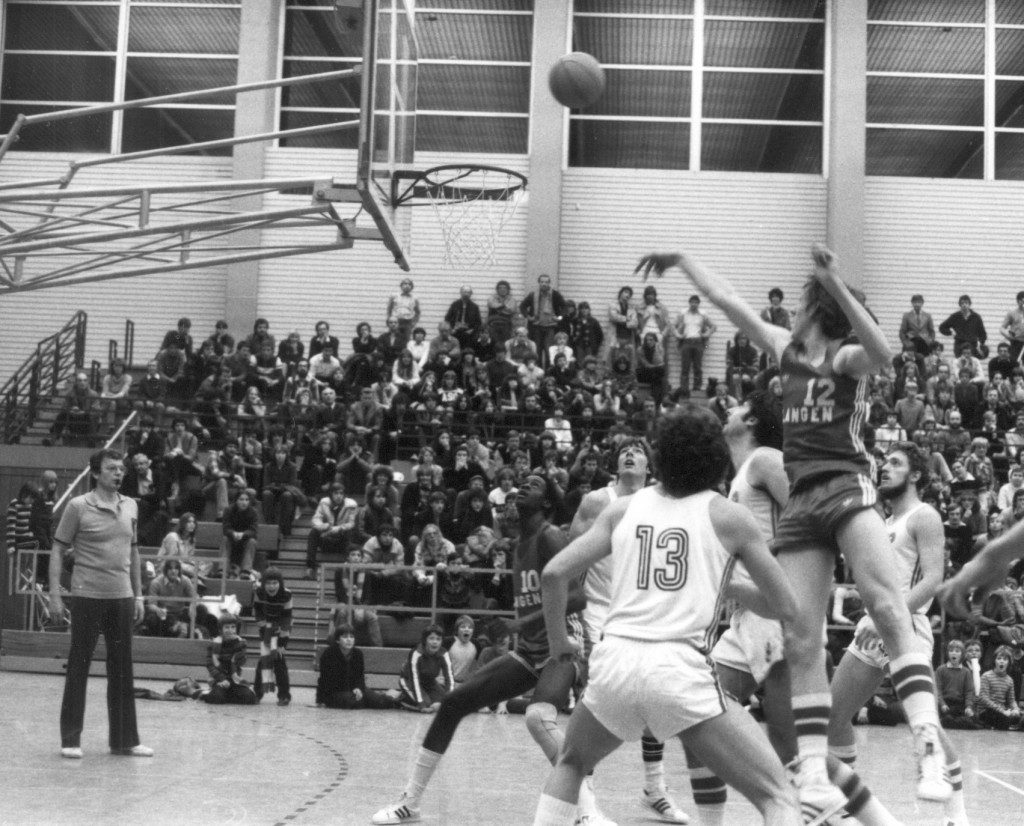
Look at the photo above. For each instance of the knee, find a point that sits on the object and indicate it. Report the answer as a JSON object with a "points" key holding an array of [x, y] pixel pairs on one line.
{"points": [[884, 606]]}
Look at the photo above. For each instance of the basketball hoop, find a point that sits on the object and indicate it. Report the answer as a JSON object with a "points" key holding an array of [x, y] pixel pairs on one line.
{"points": [[473, 203]]}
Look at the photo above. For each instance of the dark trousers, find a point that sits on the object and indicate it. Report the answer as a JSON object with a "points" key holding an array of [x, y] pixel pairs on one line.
{"points": [[691, 358], [370, 699], [273, 662], [319, 543], [501, 679], [236, 694], [114, 618], [279, 506]]}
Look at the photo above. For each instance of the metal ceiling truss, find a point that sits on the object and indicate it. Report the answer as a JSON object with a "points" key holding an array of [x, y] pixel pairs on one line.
{"points": [[52, 234]]}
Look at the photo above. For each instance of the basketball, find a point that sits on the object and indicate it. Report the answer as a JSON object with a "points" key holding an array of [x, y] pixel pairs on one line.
{"points": [[576, 80]]}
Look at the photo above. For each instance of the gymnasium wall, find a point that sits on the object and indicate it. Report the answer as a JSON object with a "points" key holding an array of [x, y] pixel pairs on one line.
{"points": [[943, 238], [755, 230], [154, 302]]}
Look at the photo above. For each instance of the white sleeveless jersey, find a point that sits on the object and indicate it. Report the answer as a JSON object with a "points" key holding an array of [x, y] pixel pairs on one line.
{"points": [[756, 500], [669, 570], [597, 583], [908, 560]]}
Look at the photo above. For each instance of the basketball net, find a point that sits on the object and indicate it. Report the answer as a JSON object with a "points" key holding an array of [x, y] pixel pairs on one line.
{"points": [[473, 205]]}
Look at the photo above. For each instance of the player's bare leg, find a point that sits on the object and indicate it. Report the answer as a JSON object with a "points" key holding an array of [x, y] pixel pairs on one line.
{"points": [[865, 544]]}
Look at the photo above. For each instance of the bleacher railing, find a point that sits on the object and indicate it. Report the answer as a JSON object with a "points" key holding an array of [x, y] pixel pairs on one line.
{"points": [[53, 364]]}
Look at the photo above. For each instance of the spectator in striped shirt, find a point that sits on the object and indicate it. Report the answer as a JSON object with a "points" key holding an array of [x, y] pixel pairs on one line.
{"points": [[997, 707]]}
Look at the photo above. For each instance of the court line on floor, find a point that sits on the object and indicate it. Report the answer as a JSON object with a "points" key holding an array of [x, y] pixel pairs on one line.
{"points": [[1003, 783]]}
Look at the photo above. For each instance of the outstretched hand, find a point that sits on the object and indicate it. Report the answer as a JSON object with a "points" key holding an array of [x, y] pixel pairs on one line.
{"points": [[824, 260], [657, 263], [956, 594]]}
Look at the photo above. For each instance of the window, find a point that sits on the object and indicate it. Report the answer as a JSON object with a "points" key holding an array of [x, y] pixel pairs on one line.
{"points": [[945, 90], [472, 80], [734, 85], [61, 55]]}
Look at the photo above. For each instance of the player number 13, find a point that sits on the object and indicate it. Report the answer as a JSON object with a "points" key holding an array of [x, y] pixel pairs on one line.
{"points": [[676, 544]]}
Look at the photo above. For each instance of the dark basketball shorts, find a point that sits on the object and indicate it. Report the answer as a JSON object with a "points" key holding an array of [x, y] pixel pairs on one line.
{"points": [[817, 509]]}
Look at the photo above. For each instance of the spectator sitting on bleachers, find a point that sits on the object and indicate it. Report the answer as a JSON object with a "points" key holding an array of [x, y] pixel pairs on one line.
{"points": [[326, 368], [301, 379], [114, 392], [291, 351], [240, 523], [333, 529], [353, 469], [476, 515], [260, 334], [435, 513], [341, 682], [171, 362], [242, 365], [365, 418], [280, 495], [722, 401], [433, 549], [166, 615], [269, 373], [374, 513], [180, 544], [79, 412], [252, 411], [180, 451]]}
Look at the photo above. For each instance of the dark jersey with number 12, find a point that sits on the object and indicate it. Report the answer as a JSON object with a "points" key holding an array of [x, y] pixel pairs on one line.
{"points": [[532, 554], [823, 418]]}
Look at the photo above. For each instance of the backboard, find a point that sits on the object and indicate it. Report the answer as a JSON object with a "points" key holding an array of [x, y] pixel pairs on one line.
{"points": [[387, 117]]}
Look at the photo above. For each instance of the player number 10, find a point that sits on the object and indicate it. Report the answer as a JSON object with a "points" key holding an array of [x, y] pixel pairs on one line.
{"points": [[676, 544]]}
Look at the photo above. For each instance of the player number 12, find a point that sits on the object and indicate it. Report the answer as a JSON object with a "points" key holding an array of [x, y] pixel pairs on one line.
{"points": [[676, 544]]}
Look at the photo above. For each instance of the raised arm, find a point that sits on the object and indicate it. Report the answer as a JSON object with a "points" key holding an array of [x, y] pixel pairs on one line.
{"points": [[873, 353], [984, 573], [723, 295], [926, 525]]}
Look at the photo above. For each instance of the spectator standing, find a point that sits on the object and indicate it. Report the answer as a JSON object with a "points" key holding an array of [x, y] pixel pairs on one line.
{"points": [[272, 605], [98, 528], [966, 327], [501, 310], [464, 317], [404, 308], [542, 310], [585, 333], [775, 313], [917, 327], [653, 315], [693, 329], [625, 322], [1012, 328]]}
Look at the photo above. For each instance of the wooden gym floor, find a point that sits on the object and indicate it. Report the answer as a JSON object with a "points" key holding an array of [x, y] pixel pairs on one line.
{"points": [[304, 765]]}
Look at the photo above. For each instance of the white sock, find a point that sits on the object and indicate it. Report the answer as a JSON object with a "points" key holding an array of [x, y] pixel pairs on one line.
{"points": [[553, 812], [588, 800], [654, 776], [422, 771], [712, 815], [954, 808]]}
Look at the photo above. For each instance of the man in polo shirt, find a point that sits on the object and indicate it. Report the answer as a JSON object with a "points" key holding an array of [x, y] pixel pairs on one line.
{"points": [[99, 528]]}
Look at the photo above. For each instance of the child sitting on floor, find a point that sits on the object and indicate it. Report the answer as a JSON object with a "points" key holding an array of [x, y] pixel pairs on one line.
{"points": [[224, 660], [427, 674], [954, 685], [342, 680]]}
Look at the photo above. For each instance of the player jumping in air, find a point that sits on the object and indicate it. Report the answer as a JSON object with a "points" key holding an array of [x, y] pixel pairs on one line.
{"points": [[825, 362]]}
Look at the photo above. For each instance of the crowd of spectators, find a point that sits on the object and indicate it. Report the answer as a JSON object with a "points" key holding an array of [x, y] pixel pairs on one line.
{"points": [[253, 429]]}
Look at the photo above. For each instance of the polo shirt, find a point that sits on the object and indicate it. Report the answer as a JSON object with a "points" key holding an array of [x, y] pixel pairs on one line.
{"points": [[101, 537]]}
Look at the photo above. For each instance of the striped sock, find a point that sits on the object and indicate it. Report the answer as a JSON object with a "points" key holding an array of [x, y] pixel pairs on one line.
{"points": [[915, 686], [708, 788], [954, 807], [845, 754], [810, 714], [654, 769], [861, 804]]}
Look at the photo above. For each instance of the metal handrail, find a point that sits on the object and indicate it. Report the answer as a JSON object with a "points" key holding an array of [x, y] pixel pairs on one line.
{"points": [[54, 362]]}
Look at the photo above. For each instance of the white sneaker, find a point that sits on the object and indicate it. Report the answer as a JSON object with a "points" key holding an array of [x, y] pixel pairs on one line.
{"points": [[663, 806], [400, 812], [72, 752], [134, 751], [931, 784], [593, 819], [819, 802]]}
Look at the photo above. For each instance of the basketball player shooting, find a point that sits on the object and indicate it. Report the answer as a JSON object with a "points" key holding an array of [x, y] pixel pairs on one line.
{"points": [[825, 362]]}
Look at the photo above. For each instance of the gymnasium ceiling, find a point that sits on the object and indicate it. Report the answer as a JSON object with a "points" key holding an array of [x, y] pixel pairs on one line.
{"points": [[650, 44]]}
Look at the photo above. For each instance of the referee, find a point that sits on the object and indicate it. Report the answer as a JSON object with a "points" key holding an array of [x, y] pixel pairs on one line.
{"points": [[99, 528]]}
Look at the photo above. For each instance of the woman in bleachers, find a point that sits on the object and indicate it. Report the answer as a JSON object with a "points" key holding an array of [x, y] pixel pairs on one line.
{"points": [[427, 460], [405, 374], [623, 379], [180, 544], [252, 411], [374, 513]]}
